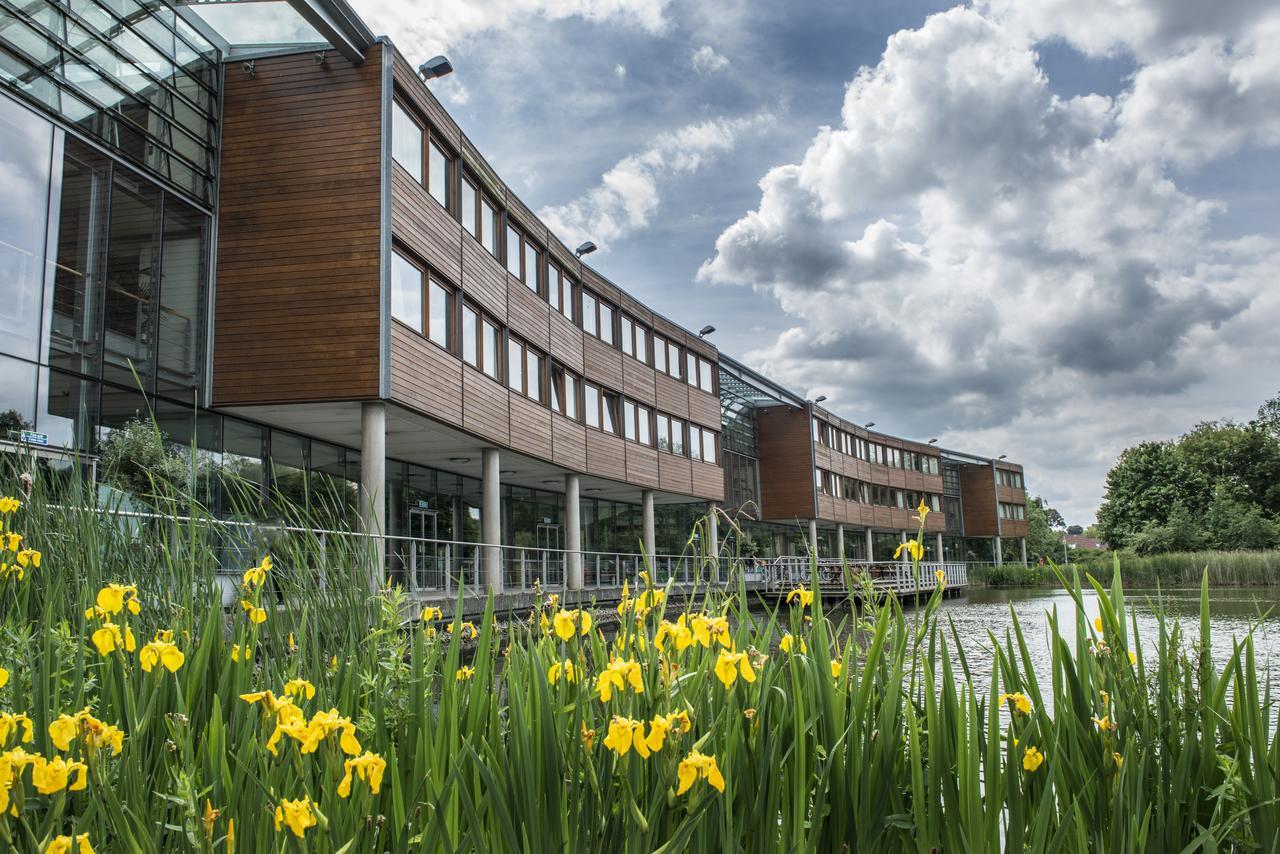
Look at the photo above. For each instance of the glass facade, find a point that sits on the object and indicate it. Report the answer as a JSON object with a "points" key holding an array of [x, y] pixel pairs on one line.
{"points": [[133, 76]]}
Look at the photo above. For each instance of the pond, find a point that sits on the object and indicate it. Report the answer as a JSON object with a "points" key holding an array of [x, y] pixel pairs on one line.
{"points": [[1233, 611]]}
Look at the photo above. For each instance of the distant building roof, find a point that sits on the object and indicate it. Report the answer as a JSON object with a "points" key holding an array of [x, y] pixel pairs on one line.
{"points": [[1080, 541]]}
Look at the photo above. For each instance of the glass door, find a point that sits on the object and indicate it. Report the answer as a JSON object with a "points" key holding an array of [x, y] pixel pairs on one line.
{"points": [[426, 556], [548, 542]]}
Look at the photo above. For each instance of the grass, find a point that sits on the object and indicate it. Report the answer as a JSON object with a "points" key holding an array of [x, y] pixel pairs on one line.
{"points": [[1175, 569], [868, 735]]}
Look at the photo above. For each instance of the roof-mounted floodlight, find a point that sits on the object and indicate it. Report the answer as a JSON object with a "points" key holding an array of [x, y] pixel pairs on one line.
{"points": [[436, 66], [586, 248], [820, 398], [870, 424], [705, 331]]}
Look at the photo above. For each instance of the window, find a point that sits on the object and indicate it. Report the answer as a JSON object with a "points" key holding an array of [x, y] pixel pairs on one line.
{"points": [[677, 436], [642, 344], [708, 445], [531, 265], [589, 316], [524, 369], [489, 226], [406, 292], [533, 374], [660, 354], [673, 359], [627, 338], [489, 348], [664, 432], [515, 365], [706, 381], [566, 295], [564, 391], [513, 252], [591, 404], [609, 412], [440, 314], [439, 168], [406, 141], [640, 429], [470, 334], [470, 209], [690, 368], [629, 420], [695, 443], [553, 286], [479, 341], [606, 322]]}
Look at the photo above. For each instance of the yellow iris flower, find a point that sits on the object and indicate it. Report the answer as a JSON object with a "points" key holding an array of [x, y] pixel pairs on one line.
{"points": [[29, 557], [1021, 702], [566, 623], [161, 651], [109, 638], [11, 541], [10, 724], [805, 597], [730, 664], [65, 845], [97, 734], [9, 504], [912, 547], [464, 630], [836, 668], [296, 815], [1032, 759], [678, 631], [707, 629], [299, 688], [562, 668], [54, 775], [619, 674], [788, 642], [464, 673], [256, 576], [697, 765], [430, 613], [256, 615], [369, 767]]}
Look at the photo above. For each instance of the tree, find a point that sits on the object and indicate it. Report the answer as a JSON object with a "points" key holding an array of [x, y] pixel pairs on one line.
{"points": [[1054, 518], [12, 423], [1075, 530], [135, 459], [1042, 540], [1268, 420], [1143, 487]]}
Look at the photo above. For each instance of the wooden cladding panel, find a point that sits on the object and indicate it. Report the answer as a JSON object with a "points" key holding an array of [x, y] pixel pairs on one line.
{"points": [[568, 443], [524, 219], [700, 346], [786, 465], [672, 395], [1013, 528], [708, 480], [527, 314], [599, 284], [675, 473], [483, 279], [606, 455], [530, 427], [602, 362], [425, 376], [978, 501], [485, 407], [298, 298], [1010, 494], [636, 309], [565, 342], [638, 381], [704, 409], [642, 465], [418, 221]]}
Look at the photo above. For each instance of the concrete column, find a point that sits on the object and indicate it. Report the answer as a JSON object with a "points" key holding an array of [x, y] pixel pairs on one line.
{"points": [[941, 554], [902, 538], [999, 551], [646, 525], [713, 539], [373, 485], [871, 542], [1022, 544], [813, 535], [491, 520], [572, 533], [840, 542]]}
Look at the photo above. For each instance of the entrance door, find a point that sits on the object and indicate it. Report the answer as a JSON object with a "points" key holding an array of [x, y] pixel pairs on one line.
{"points": [[426, 557], [548, 541]]}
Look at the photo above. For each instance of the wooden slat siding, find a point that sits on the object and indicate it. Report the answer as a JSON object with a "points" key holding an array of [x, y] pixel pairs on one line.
{"points": [[530, 427], [485, 408], [482, 170], [667, 329], [704, 409], [672, 395], [701, 346], [424, 226], [483, 279], [600, 284], [425, 377], [601, 362], [823, 457], [708, 480], [978, 500], [527, 314], [409, 87], [524, 219], [1014, 528], [565, 342], [642, 465], [298, 236], [606, 455], [636, 309], [827, 508], [568, 443], [1010, 494], [786, 467], [675, 474], [638, 381], [562, 255]]}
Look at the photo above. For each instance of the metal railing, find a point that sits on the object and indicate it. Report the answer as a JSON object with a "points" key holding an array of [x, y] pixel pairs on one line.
{"points": [[786, 573]]}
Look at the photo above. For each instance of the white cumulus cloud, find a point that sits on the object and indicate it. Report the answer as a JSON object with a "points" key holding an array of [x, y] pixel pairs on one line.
{"points": [[705, 60]]}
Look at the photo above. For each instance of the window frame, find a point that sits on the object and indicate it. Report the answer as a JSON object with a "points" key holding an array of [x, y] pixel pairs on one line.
{"points": [[481, 322], [527, 354], [411, 115]]}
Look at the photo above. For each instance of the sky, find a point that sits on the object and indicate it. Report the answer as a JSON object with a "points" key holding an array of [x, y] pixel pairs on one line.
{"points": [[1042, 228]]}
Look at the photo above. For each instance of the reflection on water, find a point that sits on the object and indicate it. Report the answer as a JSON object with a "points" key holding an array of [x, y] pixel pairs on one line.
{"points": [[979, 611]]}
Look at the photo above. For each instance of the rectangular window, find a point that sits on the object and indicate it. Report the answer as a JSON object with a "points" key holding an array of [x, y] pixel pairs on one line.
{"points": [[470, 208], [566, 295], [439, 168], [571, 396], [553, 285], [677, 436], [695, 443], [664, 432], [606, 322], [609, 412], [642, 425], [673, 359], [564, 391], [531, 266], [660, 354], [489, 226], [406, 141], [591, 404], [533, 374], [589, 317], [515, 365], [629, 420], [708, 446], [513, 252], [690, 368], [642, 344], [470, 331], [706, 381], [628, 335], [440, 315], [406, 292], [489, 349]]}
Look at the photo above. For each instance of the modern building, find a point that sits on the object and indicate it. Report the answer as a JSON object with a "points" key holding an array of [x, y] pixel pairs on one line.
{"points": [[286, 250]]}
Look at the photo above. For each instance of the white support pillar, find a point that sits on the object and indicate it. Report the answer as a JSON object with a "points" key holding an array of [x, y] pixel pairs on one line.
{"points": [[491, 519], [902, 538], [646, 525], [1022, 544], [942, 555], [373, 489], [713, 532], [813, 536], [840, 542], [999, 552], [572, 533], [871, 542]]}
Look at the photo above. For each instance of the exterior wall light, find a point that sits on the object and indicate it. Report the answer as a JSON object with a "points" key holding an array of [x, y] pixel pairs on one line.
{"points": [[436, 66]]}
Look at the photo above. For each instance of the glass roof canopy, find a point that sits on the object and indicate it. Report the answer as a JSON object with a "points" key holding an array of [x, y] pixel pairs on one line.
{"points": [[243, 29]]}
